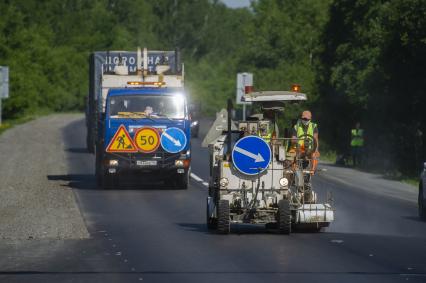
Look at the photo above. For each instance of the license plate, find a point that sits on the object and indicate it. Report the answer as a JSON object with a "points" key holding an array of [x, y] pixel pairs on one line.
{"points": [[146, 162]]}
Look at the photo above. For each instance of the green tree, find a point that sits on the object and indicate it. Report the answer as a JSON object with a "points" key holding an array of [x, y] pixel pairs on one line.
{"points": [[371, 70]]}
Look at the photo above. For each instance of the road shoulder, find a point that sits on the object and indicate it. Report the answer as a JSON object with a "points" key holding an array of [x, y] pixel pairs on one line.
{"points": [[369, 182], [36, 203]]}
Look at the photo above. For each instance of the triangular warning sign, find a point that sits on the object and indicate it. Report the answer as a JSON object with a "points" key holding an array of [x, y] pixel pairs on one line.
{"points": [[121, 142]]}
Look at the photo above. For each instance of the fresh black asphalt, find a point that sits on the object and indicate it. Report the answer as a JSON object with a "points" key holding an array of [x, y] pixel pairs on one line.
{"points": [[156, 234]]}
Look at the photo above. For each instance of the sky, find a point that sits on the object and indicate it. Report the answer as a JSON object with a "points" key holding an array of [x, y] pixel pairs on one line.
{"points": [[236, 3]]}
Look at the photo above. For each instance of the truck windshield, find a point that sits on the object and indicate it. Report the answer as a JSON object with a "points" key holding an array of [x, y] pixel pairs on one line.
{"points": [[144, 106]]}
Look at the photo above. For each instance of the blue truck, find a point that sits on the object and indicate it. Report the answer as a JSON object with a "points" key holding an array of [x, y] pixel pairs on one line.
{"points": [[137, 118]]}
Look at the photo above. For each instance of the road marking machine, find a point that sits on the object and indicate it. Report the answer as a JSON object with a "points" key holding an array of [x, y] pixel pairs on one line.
{"points": [[257, 177]]}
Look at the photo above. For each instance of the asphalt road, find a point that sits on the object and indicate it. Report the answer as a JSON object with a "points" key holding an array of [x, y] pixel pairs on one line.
{"points": [[154, 234]]}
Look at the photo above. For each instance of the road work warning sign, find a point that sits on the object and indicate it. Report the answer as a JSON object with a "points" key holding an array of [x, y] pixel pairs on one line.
{"points": [[121, 142], [147, 139]]}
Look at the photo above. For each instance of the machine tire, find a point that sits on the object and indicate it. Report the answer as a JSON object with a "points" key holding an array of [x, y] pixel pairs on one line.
{"points": [[211, 222], [211, 191], [223, 223], [284, 217], [421, 203]]}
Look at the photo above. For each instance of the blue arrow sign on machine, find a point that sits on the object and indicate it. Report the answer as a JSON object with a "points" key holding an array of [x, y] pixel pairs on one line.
{"points": [[173, 140], [251, 155]]}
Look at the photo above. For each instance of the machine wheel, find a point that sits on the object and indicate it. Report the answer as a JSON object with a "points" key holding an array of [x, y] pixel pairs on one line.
{"points": [[284, 217], [211, 222], [422, 204], [223, 224], [211, 191]]}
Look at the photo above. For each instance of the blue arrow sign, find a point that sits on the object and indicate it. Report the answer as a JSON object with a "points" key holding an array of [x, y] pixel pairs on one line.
{"points": [[173, 140], [251, 155]]}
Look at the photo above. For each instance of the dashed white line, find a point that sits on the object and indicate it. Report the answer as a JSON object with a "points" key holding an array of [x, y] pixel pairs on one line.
{"points": [[198, 179]]}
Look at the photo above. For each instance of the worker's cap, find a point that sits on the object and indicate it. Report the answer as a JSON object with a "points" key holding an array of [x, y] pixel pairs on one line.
{"points": [[306, 115]]}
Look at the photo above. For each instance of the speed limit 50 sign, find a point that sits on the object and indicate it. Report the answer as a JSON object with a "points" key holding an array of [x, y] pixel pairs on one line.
{"points": [[147, 139]]}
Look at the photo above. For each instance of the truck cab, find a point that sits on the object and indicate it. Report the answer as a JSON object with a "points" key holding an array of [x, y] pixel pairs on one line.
{"points": [[143, 127], [153, 110]]}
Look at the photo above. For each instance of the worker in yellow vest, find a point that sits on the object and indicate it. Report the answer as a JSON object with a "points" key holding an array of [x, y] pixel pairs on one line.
{"points": [[357, 144], [265, 133], [305, 136], [267, 130]]}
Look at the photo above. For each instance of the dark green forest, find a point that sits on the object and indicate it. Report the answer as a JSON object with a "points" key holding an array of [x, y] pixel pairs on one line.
{"points": [[358, 60]]}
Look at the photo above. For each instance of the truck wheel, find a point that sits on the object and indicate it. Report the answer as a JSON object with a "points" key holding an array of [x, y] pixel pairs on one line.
{"points": [[105, 184], [98, 169], [284, 217], [223, 224], [422, 204], [182, 181], [109, 182], [89, 144], [194, 134], [211, 222]]}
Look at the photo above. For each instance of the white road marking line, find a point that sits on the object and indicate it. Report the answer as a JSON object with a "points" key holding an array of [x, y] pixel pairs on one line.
{"points": [[198, 179]]}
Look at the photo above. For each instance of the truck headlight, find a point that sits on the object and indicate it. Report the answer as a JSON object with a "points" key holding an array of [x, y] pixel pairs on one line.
{"points": [[283, 182], [224, 182], [183, 163], [113, 162], [194, 123]]}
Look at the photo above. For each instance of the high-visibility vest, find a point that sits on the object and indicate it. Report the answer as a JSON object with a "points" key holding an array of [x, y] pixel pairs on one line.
{"points": [[357, 137], [303, 130], [268, 135]]}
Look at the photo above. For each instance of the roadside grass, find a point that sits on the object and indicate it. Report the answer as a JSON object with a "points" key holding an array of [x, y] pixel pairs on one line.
{"points": [[410, 181], [10, 123], [328, 155]]}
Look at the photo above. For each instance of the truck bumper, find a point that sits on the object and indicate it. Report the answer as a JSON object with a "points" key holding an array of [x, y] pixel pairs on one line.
{"points": [[157, 166]]}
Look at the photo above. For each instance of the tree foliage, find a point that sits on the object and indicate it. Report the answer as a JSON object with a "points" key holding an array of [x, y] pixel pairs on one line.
{"points": [[372, 70], [358, 60]]}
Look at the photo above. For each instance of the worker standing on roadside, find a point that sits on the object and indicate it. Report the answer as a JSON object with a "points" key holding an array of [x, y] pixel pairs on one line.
{"points": [[357, 144], [305, 135]]}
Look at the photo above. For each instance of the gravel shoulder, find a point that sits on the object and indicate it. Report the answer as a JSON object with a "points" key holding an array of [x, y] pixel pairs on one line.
{"points": [[372, 183], [35, 203]]}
